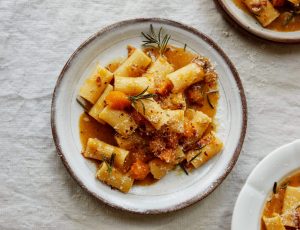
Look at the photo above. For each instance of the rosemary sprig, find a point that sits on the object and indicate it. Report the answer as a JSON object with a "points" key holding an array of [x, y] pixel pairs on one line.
{"points": [[184, 48], [139, 97], [275, 188], [159, 40], [208, 99], [209, 102], [110, 162], [181, 165]]}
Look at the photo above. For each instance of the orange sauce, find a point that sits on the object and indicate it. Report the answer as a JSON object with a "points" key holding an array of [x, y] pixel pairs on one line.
{"points": [[279, 24], [275, 203], [210, 103], [178, 57], [90, 128], [147, 181]]}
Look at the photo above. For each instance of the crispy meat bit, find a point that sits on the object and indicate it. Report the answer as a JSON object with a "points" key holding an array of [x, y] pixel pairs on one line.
{"points": [[157, 145], [194, 95]]}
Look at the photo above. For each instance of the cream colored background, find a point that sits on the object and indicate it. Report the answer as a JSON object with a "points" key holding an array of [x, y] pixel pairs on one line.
{"points": [[36, 39]]}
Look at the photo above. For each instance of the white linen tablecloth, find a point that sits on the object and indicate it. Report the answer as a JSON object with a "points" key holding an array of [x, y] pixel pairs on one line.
{"points": [[36, 39]]}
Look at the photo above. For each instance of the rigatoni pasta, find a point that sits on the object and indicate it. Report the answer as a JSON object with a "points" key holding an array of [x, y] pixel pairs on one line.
{"points": [[206, 151], [94, 86], [154, 116], [152, 111], [133, 65], [120, 120], [132, 85], [100, 150], [100, 104], [114, 178], [186, 76]]}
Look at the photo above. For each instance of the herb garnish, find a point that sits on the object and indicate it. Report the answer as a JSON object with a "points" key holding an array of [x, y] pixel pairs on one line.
{"points": [[184, 48], [208, 99], [110, 162], [198, 154], [194, 157], [154, 40], [209, 102], [139, 97], [181, 165], [275, 188], [86, 105]]}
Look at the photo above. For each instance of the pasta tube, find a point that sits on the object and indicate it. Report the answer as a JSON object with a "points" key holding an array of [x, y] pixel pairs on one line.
{"points": [[132, 85], [133, 64], [157, 72], [186, 76], [100, 150], [273, 223], [290, 203], [114, 178], [159, 168], [198, 120], [120, 120], [200, 157], [152, 111], [100, 104], [94, 86], [175, 120]]}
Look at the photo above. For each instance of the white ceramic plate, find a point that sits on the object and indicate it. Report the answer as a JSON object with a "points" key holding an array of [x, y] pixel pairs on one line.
{"points": [[176, 190], [274, 167], [249, 23]]}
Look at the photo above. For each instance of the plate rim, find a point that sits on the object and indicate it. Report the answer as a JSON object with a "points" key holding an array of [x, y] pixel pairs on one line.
{"points": [[200, 35], [262, 35], [262, 162]]}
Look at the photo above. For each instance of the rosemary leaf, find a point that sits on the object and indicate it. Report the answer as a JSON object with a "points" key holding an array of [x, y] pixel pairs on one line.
{"points": [[209, 102], [141, 96], [194, 157], [112, 159], [183, 169], [109, 168], [154, 40], [144, 109], [184, 48], [275, 188]]}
